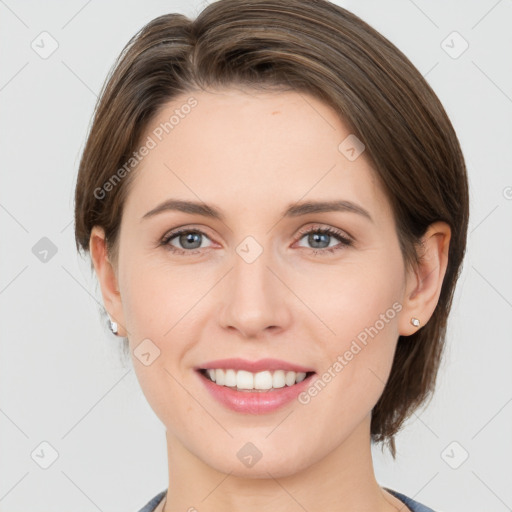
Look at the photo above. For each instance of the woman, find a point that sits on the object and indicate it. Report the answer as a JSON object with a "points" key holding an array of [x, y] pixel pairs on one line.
{"points": [[276, 205]]}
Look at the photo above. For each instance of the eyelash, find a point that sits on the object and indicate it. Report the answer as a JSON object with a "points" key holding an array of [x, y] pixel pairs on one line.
{"points": [[344, 241]]}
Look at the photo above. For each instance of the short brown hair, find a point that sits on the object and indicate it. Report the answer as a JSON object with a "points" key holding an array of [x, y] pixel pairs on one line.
{"points": [[319, 48]]}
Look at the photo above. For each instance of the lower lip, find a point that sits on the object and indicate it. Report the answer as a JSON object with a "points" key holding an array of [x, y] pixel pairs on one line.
{"points": [[255, 402]]}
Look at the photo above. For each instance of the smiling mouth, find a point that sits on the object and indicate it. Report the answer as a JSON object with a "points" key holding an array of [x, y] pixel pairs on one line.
{"points": [[241, 380]]}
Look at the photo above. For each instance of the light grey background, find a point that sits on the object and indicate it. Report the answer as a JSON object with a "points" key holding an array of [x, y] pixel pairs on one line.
{"points": [[61, 378]]}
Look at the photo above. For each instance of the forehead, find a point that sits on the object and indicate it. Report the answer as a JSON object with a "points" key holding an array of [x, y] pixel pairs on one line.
{"points": [[249, 149]]}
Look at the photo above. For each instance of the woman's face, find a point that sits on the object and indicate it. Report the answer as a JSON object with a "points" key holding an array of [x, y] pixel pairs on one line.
{"points": [[252, 284]]}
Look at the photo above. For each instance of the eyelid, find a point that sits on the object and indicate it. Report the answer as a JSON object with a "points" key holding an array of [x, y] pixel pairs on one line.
{"points": [[187, 228], [325, 227]]}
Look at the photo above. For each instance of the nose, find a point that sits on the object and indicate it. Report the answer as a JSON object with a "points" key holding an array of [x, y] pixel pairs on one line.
{"points": [[254, 298]]}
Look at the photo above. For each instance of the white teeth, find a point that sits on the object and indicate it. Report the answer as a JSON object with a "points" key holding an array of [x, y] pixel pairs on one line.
{"points": [[220, 377], [263, 380], [278, 379], [300, 377], [243, 379], [289, 378], [230, 378]]}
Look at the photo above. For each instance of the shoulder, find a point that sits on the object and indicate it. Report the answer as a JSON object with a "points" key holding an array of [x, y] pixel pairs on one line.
{"points": [[153, 502], [414, 506]]}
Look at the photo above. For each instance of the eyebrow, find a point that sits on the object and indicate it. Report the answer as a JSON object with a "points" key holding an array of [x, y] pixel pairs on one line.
{"points": [[293, 210]]}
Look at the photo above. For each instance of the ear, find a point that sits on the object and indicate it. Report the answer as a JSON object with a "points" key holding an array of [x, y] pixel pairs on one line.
{"points": [[107, 278], [423, 285]]}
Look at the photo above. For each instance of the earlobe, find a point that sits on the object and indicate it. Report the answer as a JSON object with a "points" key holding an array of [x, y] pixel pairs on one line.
{"points": [[107, 278], [424, 284]]}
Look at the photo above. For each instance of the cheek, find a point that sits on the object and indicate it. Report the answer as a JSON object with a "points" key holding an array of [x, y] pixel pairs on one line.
{"points": [[160, 308], [155, 298], [355, 298], [360, 305]]}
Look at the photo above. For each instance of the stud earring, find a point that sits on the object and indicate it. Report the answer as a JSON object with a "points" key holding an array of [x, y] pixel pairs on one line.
{"points": [[113, 326], [415, 322]]}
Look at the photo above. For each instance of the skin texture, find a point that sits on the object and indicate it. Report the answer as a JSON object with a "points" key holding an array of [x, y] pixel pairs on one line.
{"points": [[251, 154]]}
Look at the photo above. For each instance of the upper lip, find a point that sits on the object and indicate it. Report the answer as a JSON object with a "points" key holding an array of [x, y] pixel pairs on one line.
{"points": [[253, 366]]}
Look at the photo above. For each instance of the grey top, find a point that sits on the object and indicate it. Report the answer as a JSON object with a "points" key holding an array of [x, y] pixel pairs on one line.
{"points": [[153, 502], [415, 506]]}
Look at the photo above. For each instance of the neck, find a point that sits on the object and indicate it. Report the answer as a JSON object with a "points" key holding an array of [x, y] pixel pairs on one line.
{"points": [[343, 481]]}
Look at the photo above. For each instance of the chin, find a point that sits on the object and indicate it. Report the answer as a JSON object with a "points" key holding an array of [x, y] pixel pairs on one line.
{"points": [[258, 460], [260, 470]]}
